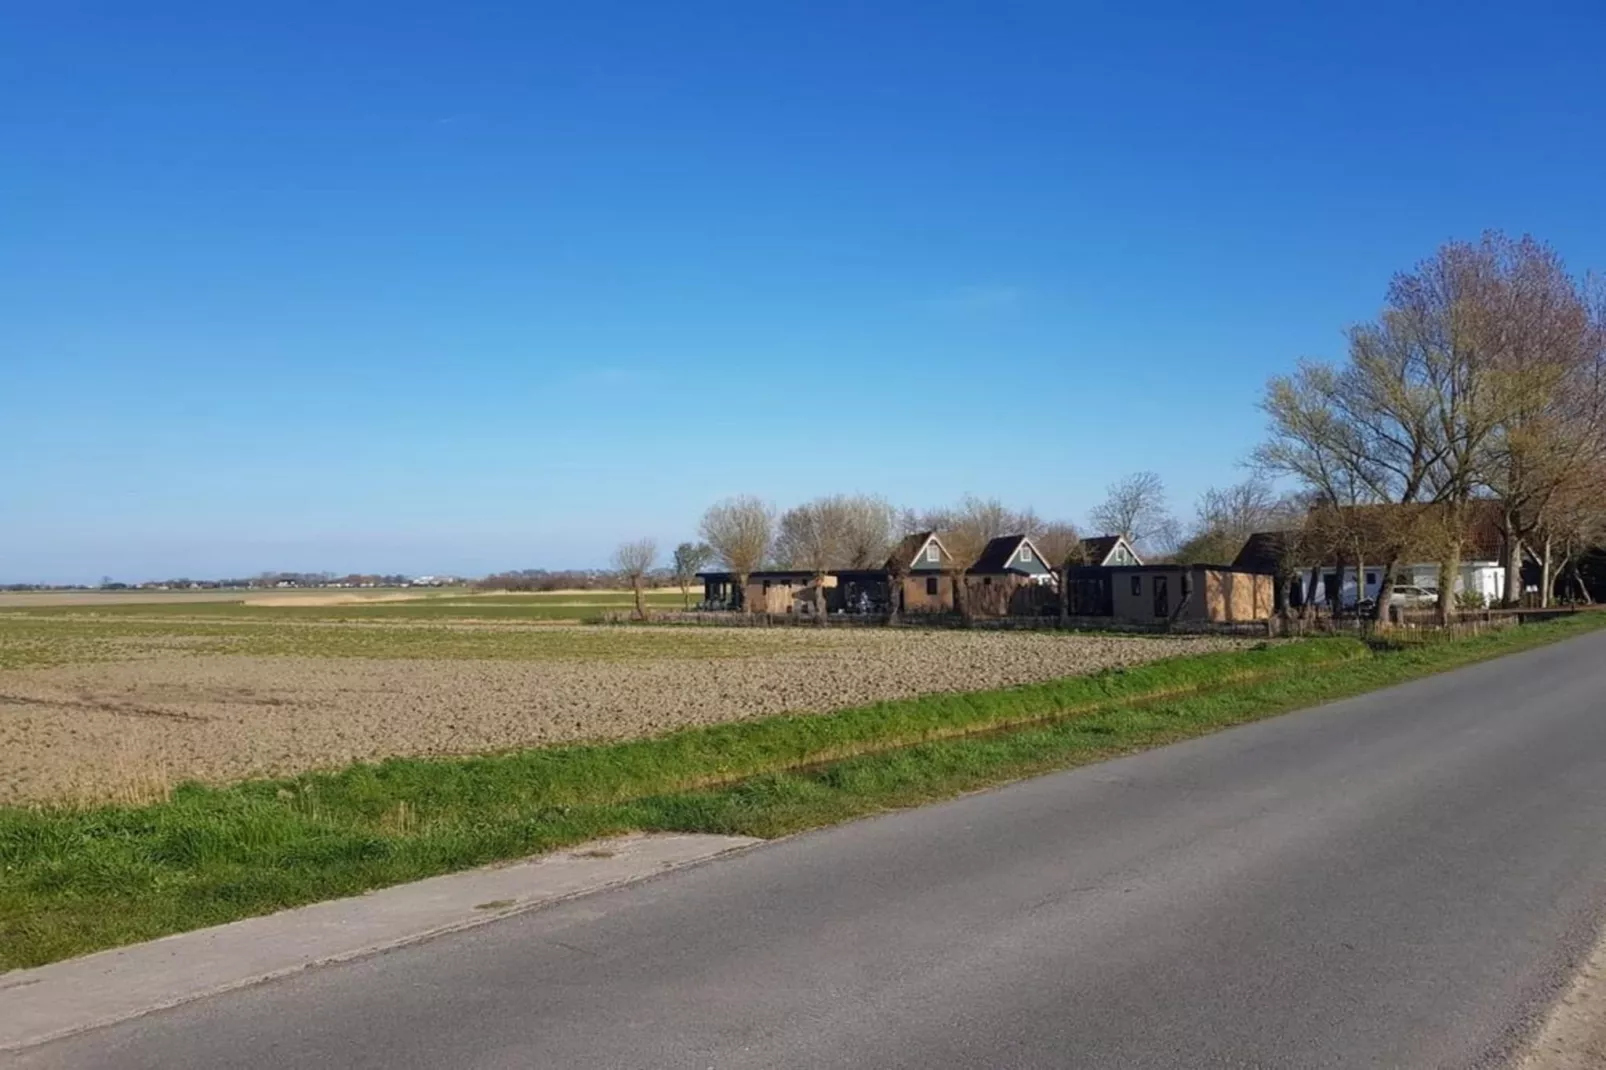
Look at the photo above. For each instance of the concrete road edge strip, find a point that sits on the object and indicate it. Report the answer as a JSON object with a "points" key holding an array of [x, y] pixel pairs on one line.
{"points": [[63, 998]]}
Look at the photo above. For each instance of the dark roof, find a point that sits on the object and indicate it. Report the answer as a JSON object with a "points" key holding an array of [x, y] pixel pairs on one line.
{"points": [[1091, 571], [1098, 547], [1371, 526], [903, 555], [1262, 551], [995, 556]]}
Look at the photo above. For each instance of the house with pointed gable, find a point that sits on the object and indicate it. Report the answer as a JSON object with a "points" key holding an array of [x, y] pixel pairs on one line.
{"points": [[1108, 551], [1010, 578], [920, 573]]}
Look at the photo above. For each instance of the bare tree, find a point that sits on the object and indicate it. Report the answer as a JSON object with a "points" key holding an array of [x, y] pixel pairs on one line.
{"points": [[871, 529], [1477, 377], [690, 559], [1135, 507], [1372, 431], [1574, 524], [739, 531], [1544, 341], [966, 529], [634, 560], [814, 537], [1058, 540], [1453, 318], [1227, 516]]}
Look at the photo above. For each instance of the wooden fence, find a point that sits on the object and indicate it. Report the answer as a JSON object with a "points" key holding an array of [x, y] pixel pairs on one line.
{"points": [[1409, 624], [1425, 622], [736, 619]]}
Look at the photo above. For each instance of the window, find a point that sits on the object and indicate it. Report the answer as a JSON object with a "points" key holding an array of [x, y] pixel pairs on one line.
{"points": [[986, 581], [933, 554], [1025, 553], [931, 586], [1371, 579], [1137, 586]]}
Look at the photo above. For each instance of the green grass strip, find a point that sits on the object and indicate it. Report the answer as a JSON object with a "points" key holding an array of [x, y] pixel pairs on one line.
{"points": [[76, 880]]}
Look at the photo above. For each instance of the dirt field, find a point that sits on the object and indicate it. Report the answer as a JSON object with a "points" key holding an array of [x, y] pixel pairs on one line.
{"points": [[108, 709]]}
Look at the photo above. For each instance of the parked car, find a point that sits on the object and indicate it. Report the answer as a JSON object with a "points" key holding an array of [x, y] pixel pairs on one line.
{"points": [[1406, 596]]}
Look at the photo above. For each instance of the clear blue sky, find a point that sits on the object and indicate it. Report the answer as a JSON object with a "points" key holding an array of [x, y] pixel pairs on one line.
{"points": [[464, 287]]}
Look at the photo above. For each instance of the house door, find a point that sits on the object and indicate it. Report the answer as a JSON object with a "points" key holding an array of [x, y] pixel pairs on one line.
{"points": [[1162, 598]]}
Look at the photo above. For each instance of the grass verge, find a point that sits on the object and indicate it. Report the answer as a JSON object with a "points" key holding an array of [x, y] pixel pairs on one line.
{"points": [[76, 880]]}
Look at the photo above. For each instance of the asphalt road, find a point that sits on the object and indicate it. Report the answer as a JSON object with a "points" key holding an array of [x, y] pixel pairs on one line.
{"points": [[1399, 880]]}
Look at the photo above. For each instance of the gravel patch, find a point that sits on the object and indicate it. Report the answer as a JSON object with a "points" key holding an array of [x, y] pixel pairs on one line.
{"points": [[108, 729]]}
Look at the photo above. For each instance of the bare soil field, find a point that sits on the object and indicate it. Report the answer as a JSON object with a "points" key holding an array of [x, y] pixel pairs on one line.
{"points": [[150, 708]]}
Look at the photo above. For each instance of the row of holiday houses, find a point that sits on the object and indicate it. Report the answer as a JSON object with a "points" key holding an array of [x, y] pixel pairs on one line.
{"points": [[1011, 577]]}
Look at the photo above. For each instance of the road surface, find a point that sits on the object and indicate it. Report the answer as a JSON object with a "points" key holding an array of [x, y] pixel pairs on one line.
{"points": [[1403, 879]]}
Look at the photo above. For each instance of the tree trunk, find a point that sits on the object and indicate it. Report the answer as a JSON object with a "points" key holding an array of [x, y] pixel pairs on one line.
{"points": [[740, 601], [1385, 592], [1308, 607], [685, 596], [1065, 596], [1573, 557], [641, 604], [1512, 597], [819, 598], [894, 595], [1335, 597], [961, 599], [1360, 580], [1449, 569], [1545, 577]]}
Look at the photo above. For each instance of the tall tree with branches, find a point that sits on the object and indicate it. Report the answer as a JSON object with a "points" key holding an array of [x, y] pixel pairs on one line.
{"points": [[815, 537], [634, 560], [1397, 424], [1135, 507], [1467, 383], [1227, 516], [690, 559], [1544, 339], [740, 530], [871, 527]]}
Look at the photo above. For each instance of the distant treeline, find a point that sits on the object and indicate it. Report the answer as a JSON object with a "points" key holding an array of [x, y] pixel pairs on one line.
{"points": [[540, 579], [265, 579]]}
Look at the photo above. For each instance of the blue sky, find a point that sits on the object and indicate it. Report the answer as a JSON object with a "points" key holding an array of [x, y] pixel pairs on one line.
{"points": [[469, 287]]}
